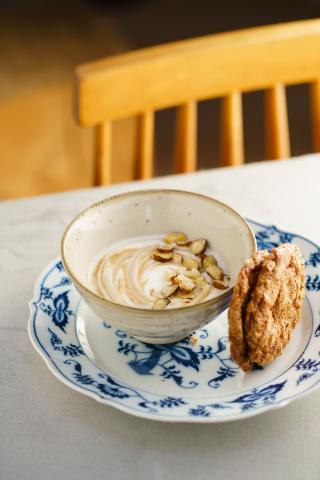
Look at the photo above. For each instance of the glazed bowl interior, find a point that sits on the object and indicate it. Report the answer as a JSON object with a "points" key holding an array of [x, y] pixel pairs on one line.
{"points": [[155, 212]]}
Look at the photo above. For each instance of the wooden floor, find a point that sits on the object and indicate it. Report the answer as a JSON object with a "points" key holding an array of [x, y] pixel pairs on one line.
{"points": [[43, 150]]}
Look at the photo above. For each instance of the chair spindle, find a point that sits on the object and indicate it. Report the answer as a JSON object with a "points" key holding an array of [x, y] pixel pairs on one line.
{"points": [[232, 145], [103, 154], [315, 114], [145, 145], [186, 138], [277, 129]]}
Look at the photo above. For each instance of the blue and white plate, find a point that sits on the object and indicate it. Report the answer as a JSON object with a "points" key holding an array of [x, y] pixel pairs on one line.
{"points": [[194, 380]]}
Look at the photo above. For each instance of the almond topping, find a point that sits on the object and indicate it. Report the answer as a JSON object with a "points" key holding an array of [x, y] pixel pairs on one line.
{"points": [[201, 281], [177, 258], [160, 304], [201, 271], [190, 262], [165, 248], [183, 244], [198, 246], [199, 259], [209, 260], [219, 285], [215, 272], [193, 273], [184, 282], [169, 290], [185, 294], [174, 237], [161, 256]]}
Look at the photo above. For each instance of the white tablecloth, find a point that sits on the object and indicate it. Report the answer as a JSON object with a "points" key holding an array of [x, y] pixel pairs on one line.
{"points": [[48, 431]]}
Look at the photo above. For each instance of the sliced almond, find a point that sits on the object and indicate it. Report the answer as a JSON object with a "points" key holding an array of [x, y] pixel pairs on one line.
{"points": [[165, 248], [190, 262], [199, 259], [207, 277], [174, 237], [198, 246], [215, 272], [160, 303], [177, 258], [162, 256], [183, 244], [184, 282], [219, 285], [169, 290], [209, 260], [185, 294], [201, 281], [193, 273]]}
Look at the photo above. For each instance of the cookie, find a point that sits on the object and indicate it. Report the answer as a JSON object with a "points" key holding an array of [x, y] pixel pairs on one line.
{"points": [[266, 305], [246, 281]]}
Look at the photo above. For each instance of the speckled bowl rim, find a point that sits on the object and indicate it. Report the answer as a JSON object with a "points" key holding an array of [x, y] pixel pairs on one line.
{"points": [[148, 311]]}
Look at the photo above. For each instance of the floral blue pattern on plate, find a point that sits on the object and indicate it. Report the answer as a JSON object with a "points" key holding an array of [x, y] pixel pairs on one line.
{"points": [[193, 380]]}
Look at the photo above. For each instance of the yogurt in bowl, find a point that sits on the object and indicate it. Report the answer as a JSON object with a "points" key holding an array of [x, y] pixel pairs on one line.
{"points": [[157, 272], [112, 252]]}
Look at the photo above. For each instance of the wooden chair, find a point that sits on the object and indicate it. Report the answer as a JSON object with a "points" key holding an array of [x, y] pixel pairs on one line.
{"points": [[180, 74]]}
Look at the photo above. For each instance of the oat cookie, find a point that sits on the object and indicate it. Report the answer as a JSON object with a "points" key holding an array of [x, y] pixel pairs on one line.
{"points": [[266, 305], [241, 295]]}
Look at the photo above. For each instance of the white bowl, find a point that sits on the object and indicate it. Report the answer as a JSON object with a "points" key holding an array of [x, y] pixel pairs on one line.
{"points": [[148, 212]]}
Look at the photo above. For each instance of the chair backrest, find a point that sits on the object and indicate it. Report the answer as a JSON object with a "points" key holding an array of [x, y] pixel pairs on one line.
{"points": [[180, 74]]}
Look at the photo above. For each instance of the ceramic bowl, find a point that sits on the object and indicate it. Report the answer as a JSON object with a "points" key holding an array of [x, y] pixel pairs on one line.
{"points": [[148, 212]]}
